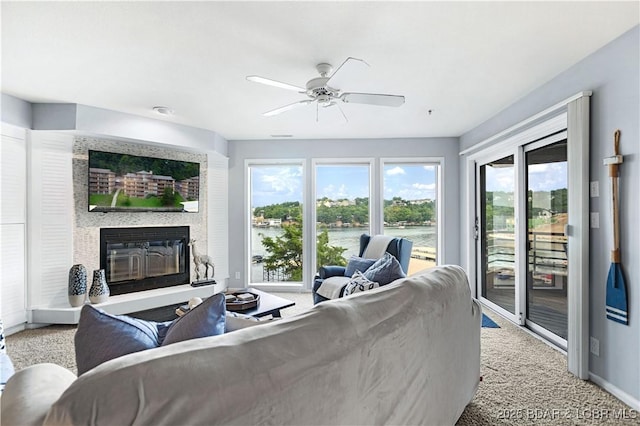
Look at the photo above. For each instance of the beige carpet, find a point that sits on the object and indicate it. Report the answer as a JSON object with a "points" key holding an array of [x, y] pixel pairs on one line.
{"points": [[524, 380]]}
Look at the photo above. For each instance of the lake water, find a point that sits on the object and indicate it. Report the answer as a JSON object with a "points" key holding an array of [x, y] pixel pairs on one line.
{"points": [[422, 236]]}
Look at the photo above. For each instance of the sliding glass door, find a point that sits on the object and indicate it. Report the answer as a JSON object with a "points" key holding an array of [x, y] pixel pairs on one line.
{"points": [[522, 247], [497, 227], [547, 219]]}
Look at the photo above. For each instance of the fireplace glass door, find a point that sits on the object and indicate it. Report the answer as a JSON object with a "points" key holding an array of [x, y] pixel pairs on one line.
{"points": [[138, 260]]}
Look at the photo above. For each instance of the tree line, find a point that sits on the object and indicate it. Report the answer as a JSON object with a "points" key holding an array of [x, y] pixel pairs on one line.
{"points": [[500, 204], [122, 164], [355, 213]]}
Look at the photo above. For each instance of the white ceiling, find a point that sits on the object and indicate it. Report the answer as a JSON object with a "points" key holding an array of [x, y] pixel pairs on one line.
{"points": [[465, 61]]}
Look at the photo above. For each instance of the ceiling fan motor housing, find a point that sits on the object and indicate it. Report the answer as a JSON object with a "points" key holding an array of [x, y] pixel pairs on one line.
{"points": [[317, 89]]}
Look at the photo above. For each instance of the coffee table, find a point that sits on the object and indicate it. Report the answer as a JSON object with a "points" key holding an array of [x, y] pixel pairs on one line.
{"points": [[269, 304]]}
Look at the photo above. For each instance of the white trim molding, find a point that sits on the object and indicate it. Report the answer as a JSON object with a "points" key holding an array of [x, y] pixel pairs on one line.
{"points": [[276, 286], [578, 237], [616, 391], [518, 127], [439, 162]]}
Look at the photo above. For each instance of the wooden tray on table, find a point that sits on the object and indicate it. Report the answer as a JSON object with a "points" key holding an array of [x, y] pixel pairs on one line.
{"points": [[236, 303]]}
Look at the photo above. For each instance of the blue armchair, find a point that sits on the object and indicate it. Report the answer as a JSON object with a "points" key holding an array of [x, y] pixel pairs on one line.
{"points": [[400, 248]]}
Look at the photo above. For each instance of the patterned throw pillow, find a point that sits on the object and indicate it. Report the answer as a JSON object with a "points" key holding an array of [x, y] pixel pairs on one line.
{"points": [[359, 283], [3, 348], [385, 270], [357, 264]]}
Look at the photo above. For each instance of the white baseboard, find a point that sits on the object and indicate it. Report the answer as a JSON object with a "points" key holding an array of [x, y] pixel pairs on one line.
{"points": [[280, 287], [615, 391], [15, 329]]}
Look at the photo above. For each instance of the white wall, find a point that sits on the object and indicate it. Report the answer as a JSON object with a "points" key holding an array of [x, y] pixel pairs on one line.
{"points": [[239, 151], [612, 74]]}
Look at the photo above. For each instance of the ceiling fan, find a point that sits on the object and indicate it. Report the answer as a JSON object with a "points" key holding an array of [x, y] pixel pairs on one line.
{"points": [[321, 90]]}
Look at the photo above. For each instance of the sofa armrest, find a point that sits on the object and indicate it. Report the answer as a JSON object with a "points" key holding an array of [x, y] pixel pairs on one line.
{"points": [[331, 271], [30, 393]]}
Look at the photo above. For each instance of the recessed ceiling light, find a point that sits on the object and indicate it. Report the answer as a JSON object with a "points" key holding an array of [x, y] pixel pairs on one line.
{"points": [[163, 110], [281, 136]]}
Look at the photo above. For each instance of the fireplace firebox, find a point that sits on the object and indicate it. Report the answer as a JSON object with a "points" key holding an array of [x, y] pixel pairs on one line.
{"points": [[137, 259]]}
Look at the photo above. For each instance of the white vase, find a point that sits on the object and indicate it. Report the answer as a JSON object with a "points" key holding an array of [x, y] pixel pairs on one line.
{"points": [[99, 292]]}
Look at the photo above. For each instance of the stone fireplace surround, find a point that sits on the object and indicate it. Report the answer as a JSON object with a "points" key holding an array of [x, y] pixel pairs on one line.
{"points": [[87, 225]]}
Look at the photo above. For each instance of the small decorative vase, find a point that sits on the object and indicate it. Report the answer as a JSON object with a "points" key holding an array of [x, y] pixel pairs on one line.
{"points": [[99, 292], [77, 285]]}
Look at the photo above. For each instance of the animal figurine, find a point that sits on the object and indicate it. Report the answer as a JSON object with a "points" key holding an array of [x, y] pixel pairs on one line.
{"points": [[201, 259]]}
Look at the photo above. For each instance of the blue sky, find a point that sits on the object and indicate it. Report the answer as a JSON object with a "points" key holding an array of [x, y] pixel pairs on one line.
{"points": [[277, 184], [542, 177]]}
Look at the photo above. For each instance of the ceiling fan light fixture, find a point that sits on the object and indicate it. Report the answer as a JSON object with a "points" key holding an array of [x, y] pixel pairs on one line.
{"points": [[163, 110], [324, 100]]}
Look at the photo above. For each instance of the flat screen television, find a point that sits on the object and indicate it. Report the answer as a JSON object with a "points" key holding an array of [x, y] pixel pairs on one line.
{"points": [[131, 183]]}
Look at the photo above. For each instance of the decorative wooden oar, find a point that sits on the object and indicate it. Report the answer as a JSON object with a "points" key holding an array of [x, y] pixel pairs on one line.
{"points": [[616, 288]]}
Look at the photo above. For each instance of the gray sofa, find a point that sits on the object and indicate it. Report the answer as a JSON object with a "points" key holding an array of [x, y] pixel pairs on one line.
{"points": [[405, 353]]}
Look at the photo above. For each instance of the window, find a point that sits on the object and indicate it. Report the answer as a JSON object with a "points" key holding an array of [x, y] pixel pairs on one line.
{"points": [[297, 225], [410, 208], [276, 246], [341, 210]]}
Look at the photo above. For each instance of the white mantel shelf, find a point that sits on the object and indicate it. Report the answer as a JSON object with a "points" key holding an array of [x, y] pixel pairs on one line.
{"points": [[125, 303]]}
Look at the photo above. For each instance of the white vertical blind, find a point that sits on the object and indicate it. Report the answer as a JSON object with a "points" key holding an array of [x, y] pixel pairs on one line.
{"points": [[50, 218], [218, 213], [13, 188]]}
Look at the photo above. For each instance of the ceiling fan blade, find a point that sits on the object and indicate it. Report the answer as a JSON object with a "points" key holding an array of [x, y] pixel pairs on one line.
{"points": [[270, 82], [287, 108], [349, 68], [373, 99]]}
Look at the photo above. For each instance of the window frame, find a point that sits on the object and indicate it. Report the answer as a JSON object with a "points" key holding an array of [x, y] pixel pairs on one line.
{"points": [[352, 161], [439, 162], [283, 285]]}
